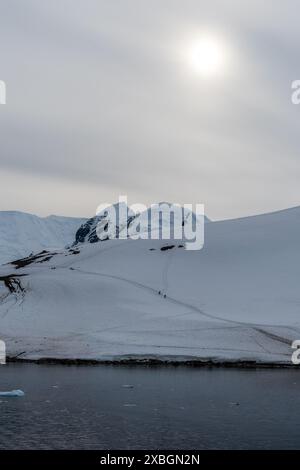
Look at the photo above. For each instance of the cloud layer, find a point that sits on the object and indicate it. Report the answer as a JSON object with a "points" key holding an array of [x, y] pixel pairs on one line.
{"points": [[100, 102]]}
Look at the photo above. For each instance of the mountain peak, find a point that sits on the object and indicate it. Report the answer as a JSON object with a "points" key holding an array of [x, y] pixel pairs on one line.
{"points": [[105, 226]]}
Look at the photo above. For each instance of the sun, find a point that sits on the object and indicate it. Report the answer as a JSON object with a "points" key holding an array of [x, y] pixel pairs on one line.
{"points": [[207, 56]]}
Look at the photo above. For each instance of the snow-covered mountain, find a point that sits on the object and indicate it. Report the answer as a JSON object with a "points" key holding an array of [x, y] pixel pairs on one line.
{"points": [[105, 227], [237, 299], [22, 234], [91, 230]]}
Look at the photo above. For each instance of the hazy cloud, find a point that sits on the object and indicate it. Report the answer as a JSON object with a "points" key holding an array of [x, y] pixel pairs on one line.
{"points": [[100, 101]]}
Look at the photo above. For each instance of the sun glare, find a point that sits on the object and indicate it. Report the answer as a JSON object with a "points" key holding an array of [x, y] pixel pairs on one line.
{"points": [[206, 56]]}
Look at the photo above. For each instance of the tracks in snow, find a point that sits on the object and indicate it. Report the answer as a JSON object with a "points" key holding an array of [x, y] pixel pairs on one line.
{"points": [[255, 326]]}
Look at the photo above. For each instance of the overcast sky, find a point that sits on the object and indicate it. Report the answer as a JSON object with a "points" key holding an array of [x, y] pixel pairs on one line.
{"points": [[101, 101]]}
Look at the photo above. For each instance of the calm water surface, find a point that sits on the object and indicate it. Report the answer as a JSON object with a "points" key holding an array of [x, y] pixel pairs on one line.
{"points": [[104, 407]]}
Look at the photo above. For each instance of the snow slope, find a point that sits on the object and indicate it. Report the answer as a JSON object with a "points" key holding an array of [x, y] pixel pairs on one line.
{"points": [[21, 233], [238, 299]]}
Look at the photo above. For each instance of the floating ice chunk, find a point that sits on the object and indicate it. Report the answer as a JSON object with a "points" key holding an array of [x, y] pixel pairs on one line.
{"points": [[12, 393]]}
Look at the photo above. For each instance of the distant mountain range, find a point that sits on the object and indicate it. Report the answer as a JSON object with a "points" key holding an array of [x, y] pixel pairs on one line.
{"points": [[22, 234]]}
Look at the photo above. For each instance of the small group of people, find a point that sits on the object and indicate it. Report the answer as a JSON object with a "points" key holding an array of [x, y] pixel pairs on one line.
{"points": [[160, 293]]}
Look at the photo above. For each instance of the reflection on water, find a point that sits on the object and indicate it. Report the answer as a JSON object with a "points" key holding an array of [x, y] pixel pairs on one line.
{"points": [[103, 407]]}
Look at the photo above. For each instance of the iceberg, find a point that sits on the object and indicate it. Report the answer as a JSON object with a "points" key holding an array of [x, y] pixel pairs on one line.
{"points": [[12, 393]]}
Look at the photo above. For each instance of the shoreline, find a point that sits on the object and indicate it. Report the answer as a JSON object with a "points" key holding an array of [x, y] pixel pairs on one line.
{"points": [[154, 362]]}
